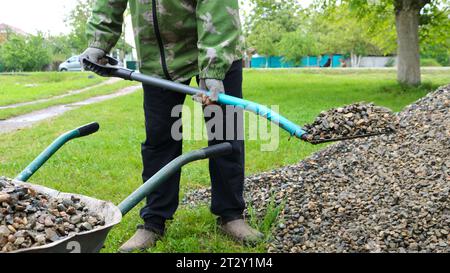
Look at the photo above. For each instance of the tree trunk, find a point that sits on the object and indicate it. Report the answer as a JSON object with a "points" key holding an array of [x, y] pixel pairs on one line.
{"points": [[358, 64], [407, 23], [354, 60]]}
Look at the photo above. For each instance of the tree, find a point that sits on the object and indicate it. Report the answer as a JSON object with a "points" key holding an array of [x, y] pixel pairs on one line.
{"points": [[25, 53], [77, 21], [435, 37], [298, 44], [60, 48], [60, 45], [283, 13], [268, 21], [283, 28], [409, 19], [265, 38], [339, 31]]}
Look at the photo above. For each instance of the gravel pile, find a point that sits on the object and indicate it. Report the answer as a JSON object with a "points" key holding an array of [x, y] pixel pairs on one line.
{"points": [[389, 193], [352, 120], [30, 219]]}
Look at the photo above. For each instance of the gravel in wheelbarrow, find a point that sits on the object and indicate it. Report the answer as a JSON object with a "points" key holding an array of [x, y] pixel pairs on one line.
{"points": [[33, 217], [359, 119]]}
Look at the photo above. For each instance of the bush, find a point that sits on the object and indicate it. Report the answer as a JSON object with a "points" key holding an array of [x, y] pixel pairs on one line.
{"points": [[390, 63], [25, 53], [429, 62]]}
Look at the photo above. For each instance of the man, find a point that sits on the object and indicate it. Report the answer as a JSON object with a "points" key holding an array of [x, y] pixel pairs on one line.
{"points": [[178, 40]]}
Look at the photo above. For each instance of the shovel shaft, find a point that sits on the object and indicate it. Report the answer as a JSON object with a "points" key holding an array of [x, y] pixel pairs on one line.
{"points": [[165, 84], [292, 128], [263, 111], [112, 70]]}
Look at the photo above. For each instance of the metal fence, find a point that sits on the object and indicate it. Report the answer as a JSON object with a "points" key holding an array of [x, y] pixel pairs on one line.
{"points": [[310, 61]]}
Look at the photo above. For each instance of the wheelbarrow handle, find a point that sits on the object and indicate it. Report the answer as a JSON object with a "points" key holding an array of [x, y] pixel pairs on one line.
{"points": [[82, 131], [88, 129], [112, 70], [169, 170], [217, 150]]}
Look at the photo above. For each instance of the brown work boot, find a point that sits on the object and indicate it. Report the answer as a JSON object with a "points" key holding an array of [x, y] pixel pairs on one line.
{"points": [[240, 231], [143, 239]]}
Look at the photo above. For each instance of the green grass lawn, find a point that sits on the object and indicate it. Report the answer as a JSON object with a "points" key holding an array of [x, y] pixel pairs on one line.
{"points": [[95, 91], [107, 165], [24, 87]]}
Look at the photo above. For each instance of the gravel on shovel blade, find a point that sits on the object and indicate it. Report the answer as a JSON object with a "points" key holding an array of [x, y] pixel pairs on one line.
{"points": [[350, 121], [389, 193], [31, 219]]}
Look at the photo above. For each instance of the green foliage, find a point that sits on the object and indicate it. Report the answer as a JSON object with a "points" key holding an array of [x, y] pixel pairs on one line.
{"points": [[77, 20], [61, 48], [283, 28], [440, 53], [379, 19], [340, 31], [265, 37], [25, 53], [435, 34], [283, 13], [268, 22], [298, 44], [269, 219], [429, 62], [390, 63]]}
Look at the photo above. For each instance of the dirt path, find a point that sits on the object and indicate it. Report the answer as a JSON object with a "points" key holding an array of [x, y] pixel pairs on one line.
{"points": [[28, 120], [70, 93]]}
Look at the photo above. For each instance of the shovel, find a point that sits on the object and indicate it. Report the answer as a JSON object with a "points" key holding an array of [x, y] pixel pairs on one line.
{"points": [[111, 69]]}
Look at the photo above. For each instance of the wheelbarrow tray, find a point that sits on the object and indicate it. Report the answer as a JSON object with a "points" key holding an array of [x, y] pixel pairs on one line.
{"points": [[84, 242]]}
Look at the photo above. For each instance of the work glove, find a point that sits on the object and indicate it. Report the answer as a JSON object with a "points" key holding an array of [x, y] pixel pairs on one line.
{"points": [[215, 87], [95, 55]]}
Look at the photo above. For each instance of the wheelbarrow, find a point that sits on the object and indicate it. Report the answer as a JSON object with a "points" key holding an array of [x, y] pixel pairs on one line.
{"points": [[111, 69], [93, 241]]}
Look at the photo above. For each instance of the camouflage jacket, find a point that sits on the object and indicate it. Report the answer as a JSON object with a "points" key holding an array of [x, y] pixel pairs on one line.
{"points": [[175, 39]]}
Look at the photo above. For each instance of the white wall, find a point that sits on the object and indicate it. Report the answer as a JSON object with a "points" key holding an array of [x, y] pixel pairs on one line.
{"points": [[376, 61]]}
